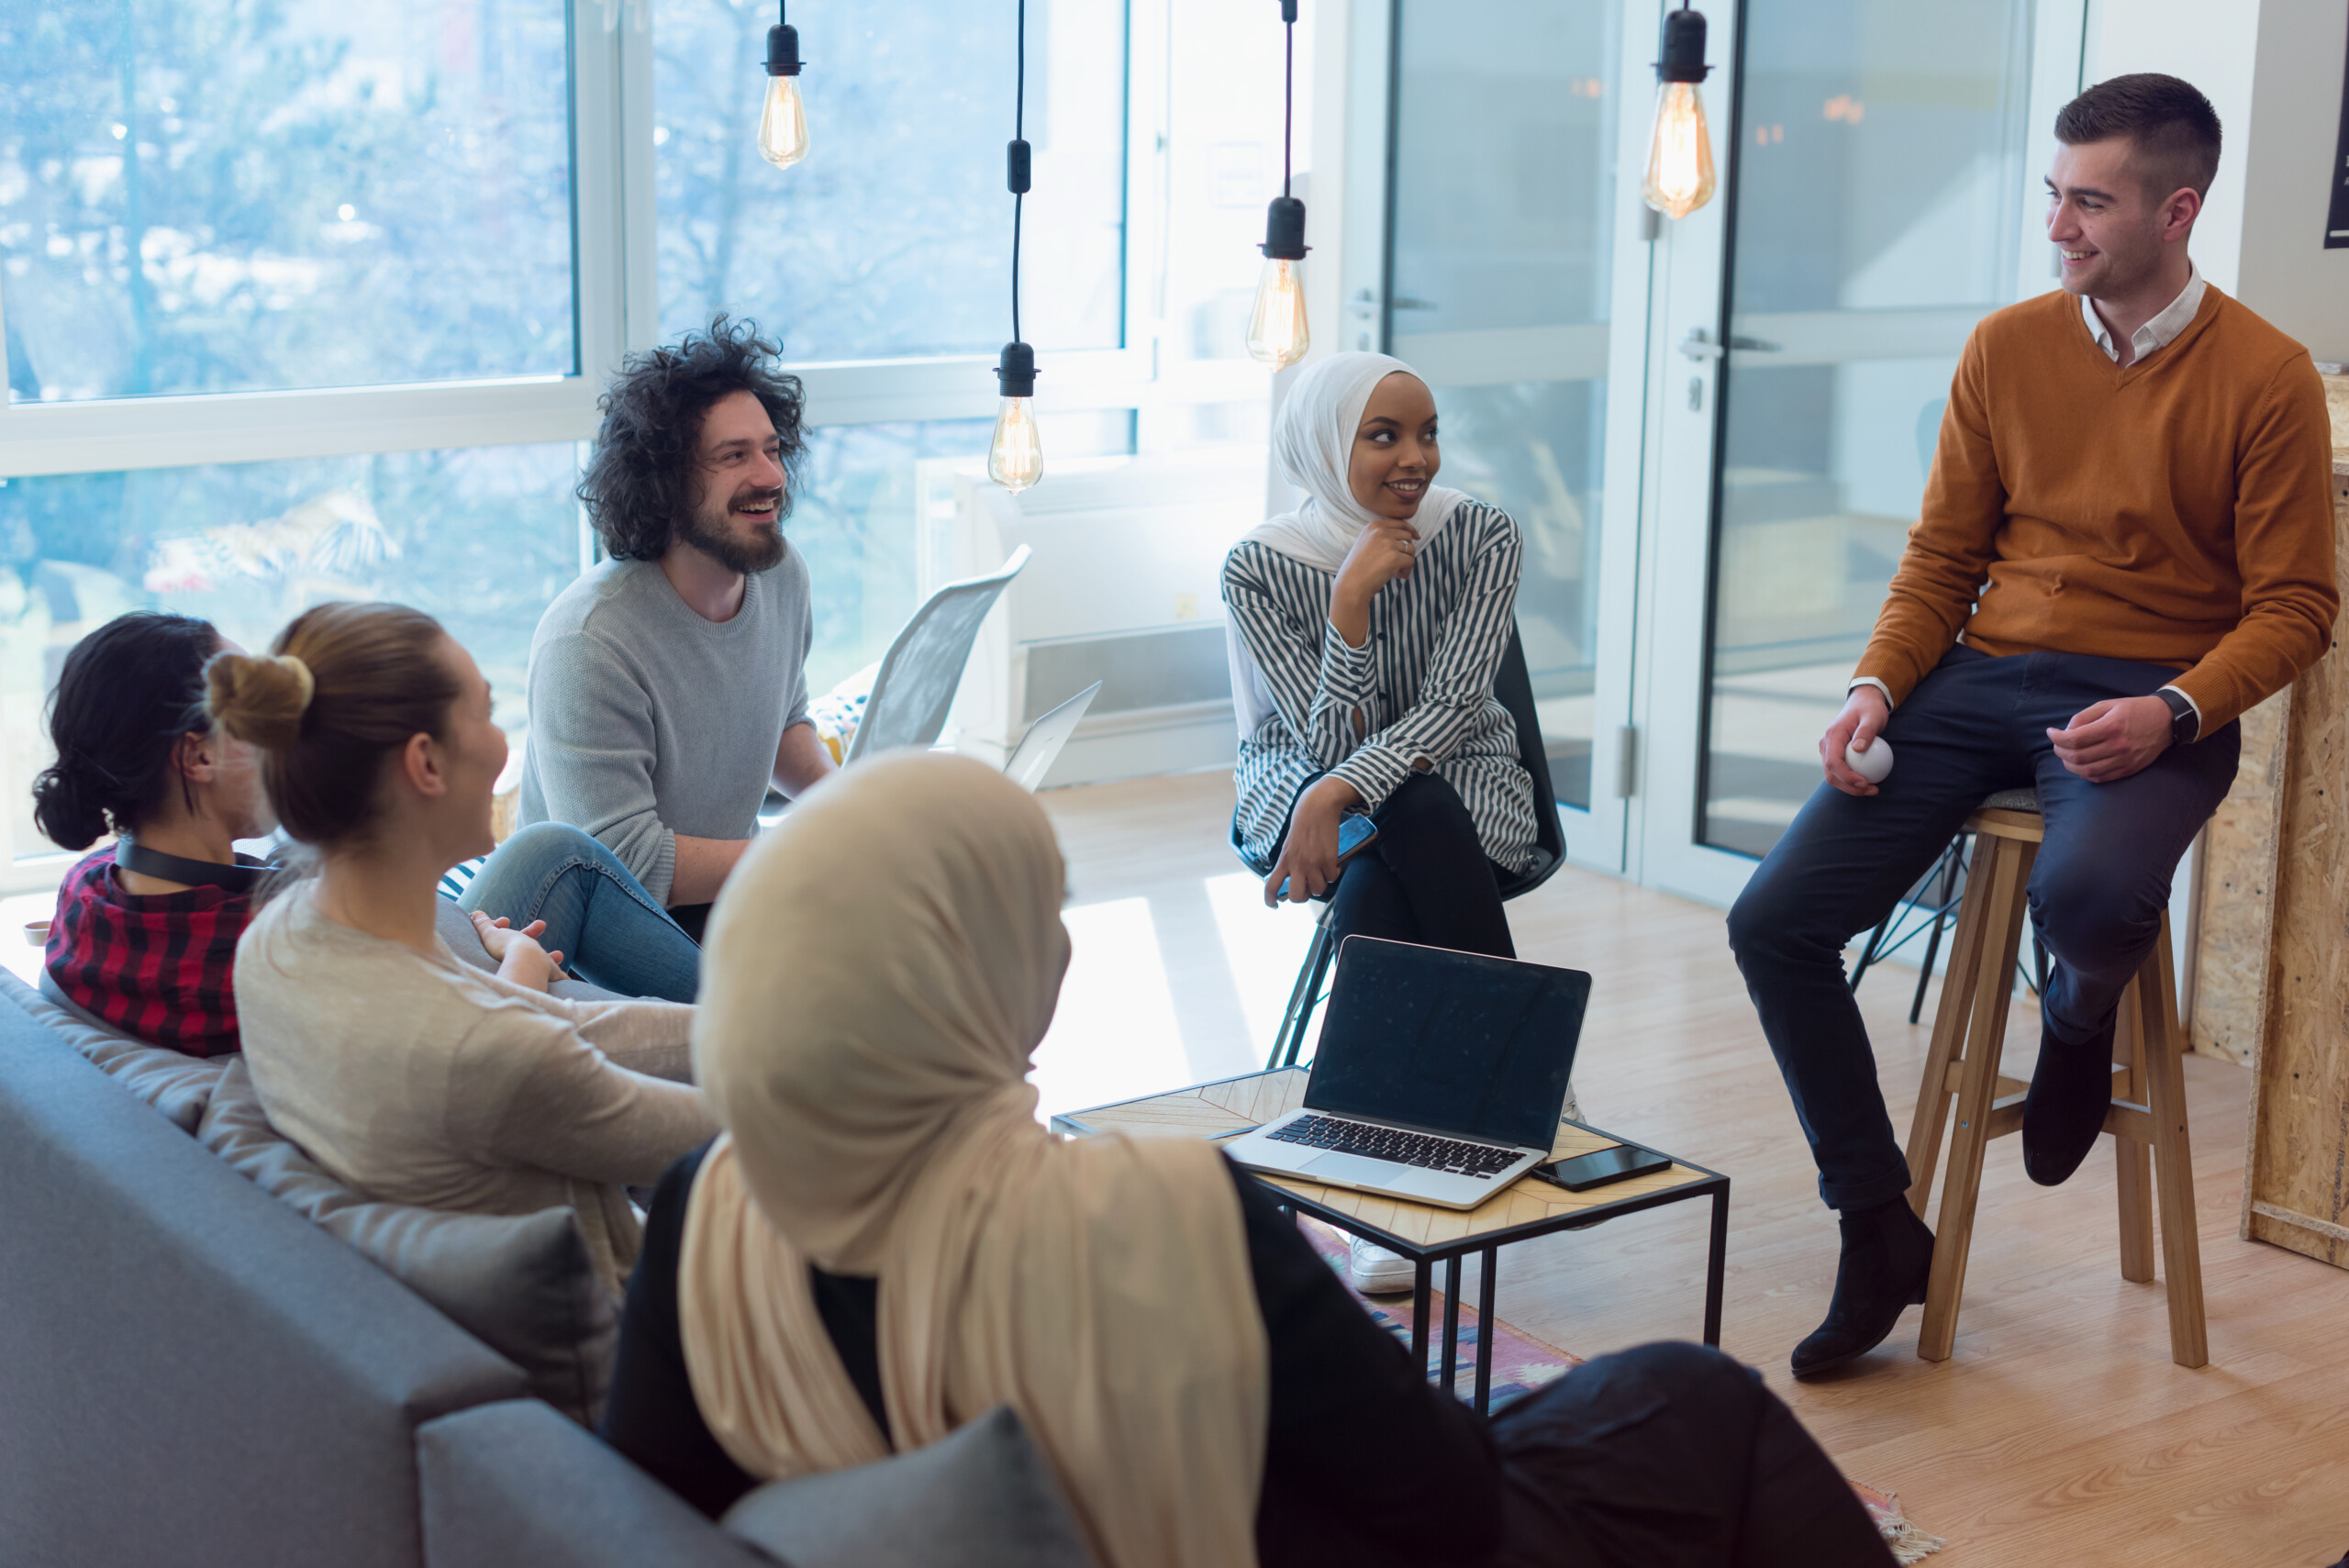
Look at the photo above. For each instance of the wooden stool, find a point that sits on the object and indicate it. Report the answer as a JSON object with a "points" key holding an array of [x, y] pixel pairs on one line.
{"points": [[2148, 1112]]}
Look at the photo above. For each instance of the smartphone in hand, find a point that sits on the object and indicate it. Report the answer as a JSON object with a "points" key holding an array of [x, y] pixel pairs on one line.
{"points": [[1355, 831]]}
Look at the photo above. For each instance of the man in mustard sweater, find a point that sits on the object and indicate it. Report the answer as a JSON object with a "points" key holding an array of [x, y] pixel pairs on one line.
{"points": [[2126, 540]]}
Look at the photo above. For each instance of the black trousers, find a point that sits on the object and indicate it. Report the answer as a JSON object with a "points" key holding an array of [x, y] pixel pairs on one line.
{"points": [[1974, 726], [1672, 1456], [1425, 878]]}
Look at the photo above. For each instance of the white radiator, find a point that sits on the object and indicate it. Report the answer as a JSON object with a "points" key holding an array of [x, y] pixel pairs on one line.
{"points": [[1123, 588]]}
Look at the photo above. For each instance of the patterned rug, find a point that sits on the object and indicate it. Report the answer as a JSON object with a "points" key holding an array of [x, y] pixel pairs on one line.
{"points": [[1522, 1363]]}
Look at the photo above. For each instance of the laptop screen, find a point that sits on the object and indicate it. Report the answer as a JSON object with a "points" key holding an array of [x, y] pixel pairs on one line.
{"points": [[1454, 1042]]}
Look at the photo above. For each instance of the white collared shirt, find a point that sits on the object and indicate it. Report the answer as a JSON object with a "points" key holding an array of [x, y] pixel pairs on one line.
{"points": [[2161, 330], [2156, 334]]}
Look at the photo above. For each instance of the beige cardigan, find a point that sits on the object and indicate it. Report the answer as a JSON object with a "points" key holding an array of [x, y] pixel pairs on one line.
{"points": [[425, 1081]]}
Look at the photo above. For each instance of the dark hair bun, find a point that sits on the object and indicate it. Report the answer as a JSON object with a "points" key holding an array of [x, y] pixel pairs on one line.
{"points": [[259, 700], [66, 805]]}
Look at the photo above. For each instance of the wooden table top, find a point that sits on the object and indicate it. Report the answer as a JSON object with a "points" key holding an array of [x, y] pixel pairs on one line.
{"points": [[1221, 1111]]}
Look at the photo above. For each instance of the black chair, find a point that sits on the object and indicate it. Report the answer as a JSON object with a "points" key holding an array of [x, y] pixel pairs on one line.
{"points": [[1514, 689]]}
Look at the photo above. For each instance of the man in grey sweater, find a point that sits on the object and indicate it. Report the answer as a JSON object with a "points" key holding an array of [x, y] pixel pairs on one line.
{"points": [[668, 686]]}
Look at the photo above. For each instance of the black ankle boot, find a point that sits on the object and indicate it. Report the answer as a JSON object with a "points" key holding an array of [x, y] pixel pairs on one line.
{"points": [[1887, 1253], [2065, 1110]]}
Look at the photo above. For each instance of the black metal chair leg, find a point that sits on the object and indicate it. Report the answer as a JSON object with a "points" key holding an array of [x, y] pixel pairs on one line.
{"points": [[1925, 975], [1302, 1000], [1868, 953]]}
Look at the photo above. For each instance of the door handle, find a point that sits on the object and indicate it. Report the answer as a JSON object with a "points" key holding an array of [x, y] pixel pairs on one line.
{"points": [[1699, 345], [1404, 302]]}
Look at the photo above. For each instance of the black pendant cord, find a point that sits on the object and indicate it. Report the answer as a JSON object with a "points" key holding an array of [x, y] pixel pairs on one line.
{"points": [[1019, 185], [1015, 370], [1284, 220], [1288, 88]]}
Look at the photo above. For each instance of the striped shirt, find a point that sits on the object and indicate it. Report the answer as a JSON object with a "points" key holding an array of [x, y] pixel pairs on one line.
{"points": [[1422, 681], [161, 966]]}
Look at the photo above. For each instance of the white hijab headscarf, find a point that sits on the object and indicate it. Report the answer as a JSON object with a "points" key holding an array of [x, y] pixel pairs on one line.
{"points": [[880, 969], [1313, 444]]}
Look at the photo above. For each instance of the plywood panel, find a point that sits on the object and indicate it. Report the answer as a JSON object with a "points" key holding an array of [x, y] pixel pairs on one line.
{"points": [[2297, 1183], [2238, 914]]}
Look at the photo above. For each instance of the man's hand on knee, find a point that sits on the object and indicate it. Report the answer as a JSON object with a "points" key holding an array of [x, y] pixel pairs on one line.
{"points": [[1864, 711], [2113, 738]]}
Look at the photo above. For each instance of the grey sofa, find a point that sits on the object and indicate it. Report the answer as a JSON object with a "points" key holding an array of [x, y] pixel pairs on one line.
{"points": [[195, 1374]]}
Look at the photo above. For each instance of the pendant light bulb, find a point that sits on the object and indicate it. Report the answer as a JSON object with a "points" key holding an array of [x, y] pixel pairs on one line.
{"points": [[783, 123], [1277, 334], [1680, 176], [1015, 458]]}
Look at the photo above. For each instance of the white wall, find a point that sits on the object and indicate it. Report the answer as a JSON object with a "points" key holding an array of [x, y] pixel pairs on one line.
{"points": [[2285, 272], [2273, 70]]}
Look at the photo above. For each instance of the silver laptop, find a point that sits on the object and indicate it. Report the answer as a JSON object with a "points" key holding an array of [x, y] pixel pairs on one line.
{"points": [[1041, 747], [1439, 1076]]}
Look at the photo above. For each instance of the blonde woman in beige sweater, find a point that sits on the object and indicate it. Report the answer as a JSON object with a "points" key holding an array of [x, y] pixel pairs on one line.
{"points": [[411, 1076]]}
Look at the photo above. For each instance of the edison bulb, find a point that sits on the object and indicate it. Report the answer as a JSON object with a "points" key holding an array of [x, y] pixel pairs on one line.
{"points": [[1276, 333], [783, 124], [1016, 461], [1680, 152]]}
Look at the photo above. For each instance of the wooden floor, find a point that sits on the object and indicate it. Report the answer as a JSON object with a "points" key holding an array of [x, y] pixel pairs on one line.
{"points": [[2059, 1433]]}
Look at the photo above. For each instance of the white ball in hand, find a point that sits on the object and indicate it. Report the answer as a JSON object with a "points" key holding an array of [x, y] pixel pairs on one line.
{"points": [[1872, 765]]}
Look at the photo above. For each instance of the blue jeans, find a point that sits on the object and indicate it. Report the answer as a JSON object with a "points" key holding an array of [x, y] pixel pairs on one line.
{"points": [[607, 928], [1974, 726]]}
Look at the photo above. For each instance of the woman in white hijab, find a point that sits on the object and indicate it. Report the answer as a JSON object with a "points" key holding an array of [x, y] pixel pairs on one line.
{"points": [[884, 1245], [1366, 630]]}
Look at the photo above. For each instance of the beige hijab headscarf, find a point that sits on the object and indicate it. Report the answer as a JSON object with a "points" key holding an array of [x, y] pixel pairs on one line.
{"points": [[880, 968]]}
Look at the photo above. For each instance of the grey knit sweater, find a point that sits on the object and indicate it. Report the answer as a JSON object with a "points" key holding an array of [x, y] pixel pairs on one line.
{"points": [[647, 721]]}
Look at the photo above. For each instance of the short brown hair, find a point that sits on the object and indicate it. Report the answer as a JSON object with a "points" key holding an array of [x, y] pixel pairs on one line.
{"points": [[346, 685], [2173, 129]]}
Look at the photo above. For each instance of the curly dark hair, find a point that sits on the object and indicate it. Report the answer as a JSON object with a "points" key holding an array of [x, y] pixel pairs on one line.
{"points": [[639, 488]]}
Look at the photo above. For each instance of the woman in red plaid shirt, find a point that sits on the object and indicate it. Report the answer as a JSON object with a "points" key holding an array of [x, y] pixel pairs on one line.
{"points": [[145, 935]]}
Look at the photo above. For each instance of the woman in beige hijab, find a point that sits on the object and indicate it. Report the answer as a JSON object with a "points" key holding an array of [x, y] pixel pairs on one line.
{"points": [[884, 1245]]}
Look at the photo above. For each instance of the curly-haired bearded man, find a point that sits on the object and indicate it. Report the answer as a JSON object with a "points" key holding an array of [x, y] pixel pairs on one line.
{"points": [[668, 685]]}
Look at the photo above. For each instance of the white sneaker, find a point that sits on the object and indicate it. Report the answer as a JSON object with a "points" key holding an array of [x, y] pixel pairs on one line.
{"points": [[1377, 1272]]}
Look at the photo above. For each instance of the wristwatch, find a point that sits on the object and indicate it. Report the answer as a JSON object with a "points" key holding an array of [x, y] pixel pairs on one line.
{"points": [[2185, 724]]}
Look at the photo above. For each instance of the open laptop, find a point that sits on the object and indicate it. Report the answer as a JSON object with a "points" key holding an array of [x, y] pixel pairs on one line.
{"points": [[1439, 1076], [1041, 747]]}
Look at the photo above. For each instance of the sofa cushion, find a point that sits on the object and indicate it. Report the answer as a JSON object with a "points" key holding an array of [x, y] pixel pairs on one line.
{"points": [[195, 1373], [524, 1285], [980, 1497], [515, 1485], [173, 1082]]}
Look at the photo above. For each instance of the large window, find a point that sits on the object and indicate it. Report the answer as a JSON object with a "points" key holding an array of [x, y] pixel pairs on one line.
{"points": [[1504, 195], [306, 300], [1879, 148], [481, 537], [195, 195], [893, 239]]}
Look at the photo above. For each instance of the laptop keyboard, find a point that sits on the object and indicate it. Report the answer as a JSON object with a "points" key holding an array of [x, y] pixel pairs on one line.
{"points": [[1450, 1155]]}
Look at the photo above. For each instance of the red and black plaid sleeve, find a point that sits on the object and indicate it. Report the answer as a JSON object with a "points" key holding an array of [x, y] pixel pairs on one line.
{"points": [[161, 967]]}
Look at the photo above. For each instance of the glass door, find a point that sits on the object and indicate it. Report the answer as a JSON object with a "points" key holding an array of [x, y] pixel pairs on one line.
{"points": [[1512, 250], [1881, 160]]}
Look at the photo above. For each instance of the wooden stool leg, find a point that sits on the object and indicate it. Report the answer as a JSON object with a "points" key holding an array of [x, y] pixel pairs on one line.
{"points": [[1950, 1017], [2189, 1338], [2005, 876], [2133, 1158]]}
